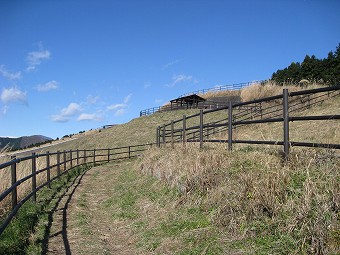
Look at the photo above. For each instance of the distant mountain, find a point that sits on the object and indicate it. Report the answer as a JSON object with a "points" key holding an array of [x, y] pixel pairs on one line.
{"points": [[22, 142]]}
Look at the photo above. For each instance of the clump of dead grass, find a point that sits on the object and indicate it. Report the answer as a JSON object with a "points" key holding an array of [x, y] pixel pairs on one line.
{"points": [[270, 88], [253, 196]]}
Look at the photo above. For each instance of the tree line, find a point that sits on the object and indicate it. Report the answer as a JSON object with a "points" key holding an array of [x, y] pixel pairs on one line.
{"points": [[325, 71]]}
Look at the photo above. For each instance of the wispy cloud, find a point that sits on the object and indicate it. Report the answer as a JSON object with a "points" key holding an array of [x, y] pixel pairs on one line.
{"points": [[35, 58], [4, 110], [116, 106], [120, 112], [179, 79], [89, 117], [8, 75], [147, 85], [127, 98], [158, 101], [51, 85], [13, 95], [120, 109], [167, 65], [90, 100], [67, 112]]}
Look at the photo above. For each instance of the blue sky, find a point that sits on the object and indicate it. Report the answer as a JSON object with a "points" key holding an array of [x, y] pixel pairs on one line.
{"points": [[69, 66]]}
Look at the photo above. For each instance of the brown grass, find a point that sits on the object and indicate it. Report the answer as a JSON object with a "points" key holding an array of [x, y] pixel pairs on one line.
{"points": [[252, 195], [268, 89]]}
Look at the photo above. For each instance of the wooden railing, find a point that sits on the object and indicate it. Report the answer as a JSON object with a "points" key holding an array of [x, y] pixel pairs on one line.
{"points": [[266, 110], [54, 165], [204, 105]]}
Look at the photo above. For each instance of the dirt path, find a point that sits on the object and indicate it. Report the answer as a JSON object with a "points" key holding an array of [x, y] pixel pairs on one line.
{"points": [[81, 226]]}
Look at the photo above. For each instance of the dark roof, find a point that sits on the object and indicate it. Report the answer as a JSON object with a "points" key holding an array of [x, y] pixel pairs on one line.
{"points": [[189, 99]]}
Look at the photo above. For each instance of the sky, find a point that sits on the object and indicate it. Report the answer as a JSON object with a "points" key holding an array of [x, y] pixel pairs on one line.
{"points": [[69, 66]]}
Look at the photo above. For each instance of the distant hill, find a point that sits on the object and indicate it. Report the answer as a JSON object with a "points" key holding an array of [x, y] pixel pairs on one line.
{"points": [[22, 142]]}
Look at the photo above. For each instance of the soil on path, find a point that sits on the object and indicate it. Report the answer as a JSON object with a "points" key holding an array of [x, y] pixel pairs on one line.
{"points": [[81, 226]]}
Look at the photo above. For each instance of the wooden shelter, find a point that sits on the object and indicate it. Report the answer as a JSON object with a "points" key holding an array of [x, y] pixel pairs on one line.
{"points": [[191, 101]]}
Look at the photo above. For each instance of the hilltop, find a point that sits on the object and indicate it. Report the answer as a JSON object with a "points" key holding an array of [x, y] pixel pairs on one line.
{"points": [[22, 142]]}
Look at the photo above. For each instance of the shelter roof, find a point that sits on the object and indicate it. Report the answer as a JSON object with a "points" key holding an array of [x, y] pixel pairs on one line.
{"points": [[189, 99]]}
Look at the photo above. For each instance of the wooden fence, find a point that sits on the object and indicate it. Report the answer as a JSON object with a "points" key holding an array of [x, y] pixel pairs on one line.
{"points": [[55, 165], [266, 110], [204, 105]]}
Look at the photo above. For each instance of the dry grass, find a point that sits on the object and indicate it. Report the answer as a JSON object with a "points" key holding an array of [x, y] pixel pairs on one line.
{"points": [[262, 205], [24, 168], [252, 196], [268, 89], [224, 93]]}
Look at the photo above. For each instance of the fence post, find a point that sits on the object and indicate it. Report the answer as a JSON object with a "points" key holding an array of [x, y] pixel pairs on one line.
{"points": [[164, 134], [285, 124], [94, 157], [201, 129], [77, 157], [129, 151], [58, 163], [48, 174], [230, 126], [157, 137], [14, 180], [85, 159], [108, 155], [172, 134], [71, 159], [184, 129], [34, 177], [64, 157]]}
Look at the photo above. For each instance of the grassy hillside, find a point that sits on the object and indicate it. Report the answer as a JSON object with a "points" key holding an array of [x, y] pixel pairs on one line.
{"points": [[258, 204], [250, 201]]}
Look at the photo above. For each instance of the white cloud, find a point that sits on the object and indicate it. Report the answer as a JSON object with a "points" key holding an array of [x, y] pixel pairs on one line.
{"points": [[91, 99], [35, 58], [13, 95], [158, 101], [51, 85], [170, 64], [71, 109], [8, 75], [116, 106], [4, 110], [120, 112], [120, 109], [67, 112], [89, 117], [59, 118], [127, 98], [179, 79]]}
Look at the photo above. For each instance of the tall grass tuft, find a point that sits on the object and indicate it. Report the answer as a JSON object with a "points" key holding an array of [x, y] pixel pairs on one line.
{"points": [[269, 88], [255, 199]]}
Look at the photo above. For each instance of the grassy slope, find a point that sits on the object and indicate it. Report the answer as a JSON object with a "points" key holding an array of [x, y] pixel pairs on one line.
{"points": [[261, 205], [137, 131], [269, 208]]}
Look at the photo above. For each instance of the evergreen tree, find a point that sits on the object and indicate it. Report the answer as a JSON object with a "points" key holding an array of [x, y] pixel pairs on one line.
{"points": [[326, 71]]}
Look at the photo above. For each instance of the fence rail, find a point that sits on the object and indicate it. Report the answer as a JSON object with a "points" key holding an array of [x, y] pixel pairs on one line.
{"points": [[223, 87], [205, 105], [266, 110], [60, 162]]}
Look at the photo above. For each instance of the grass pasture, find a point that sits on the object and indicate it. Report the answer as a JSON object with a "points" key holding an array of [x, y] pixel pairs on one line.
{"points": [[186, 200]]}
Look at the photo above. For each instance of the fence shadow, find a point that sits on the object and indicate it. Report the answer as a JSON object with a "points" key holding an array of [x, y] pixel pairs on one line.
{"points": [[67, 194]]}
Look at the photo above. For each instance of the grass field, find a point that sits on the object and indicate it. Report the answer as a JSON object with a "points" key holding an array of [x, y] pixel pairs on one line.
{"points": [[243, 202]]}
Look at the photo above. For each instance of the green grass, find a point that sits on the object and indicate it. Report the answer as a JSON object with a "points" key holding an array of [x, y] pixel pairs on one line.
{"points": [[33, 218], [189, 225]]}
